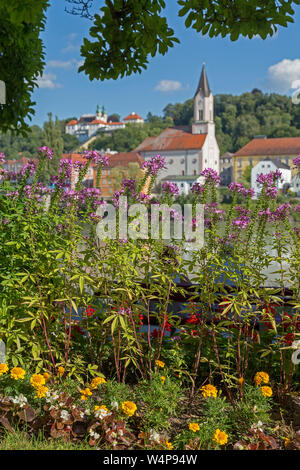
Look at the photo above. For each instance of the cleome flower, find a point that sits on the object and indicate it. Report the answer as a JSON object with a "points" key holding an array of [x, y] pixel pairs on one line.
{"points": [[209, 391], [3, 369], [194, 427], [266, 391], [220, 437], [129, 408], [17, 373], [261, 377]]}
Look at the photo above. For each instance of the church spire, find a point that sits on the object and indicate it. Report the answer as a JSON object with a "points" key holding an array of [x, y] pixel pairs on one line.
{"points": [[203, 86]]}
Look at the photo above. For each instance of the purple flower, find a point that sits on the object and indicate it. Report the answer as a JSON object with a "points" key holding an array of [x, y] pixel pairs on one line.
{"points": [[2, 158], [197, 188], [79, 166], [155, 164], [46, 152], [296, 161], [297, 208], [211, 176], [272, 192], [241, 222], [65, 167], [29, 168], [170, 188], [96, 157], [237, 187]]}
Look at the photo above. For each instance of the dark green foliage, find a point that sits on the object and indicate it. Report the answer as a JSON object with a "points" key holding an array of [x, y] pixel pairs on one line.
{"points": [[127, 32], [240, 118], [125, 140], [21, 59]]}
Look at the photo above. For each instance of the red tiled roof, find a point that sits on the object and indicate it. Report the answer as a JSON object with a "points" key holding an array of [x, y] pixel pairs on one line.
{"points": [[72, 123], [173, 138], [124, 158], [264, 147], [132, 116], [97, 121]]}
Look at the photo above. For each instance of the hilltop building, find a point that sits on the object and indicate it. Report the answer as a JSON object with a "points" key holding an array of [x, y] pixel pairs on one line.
{"points": [[88, 125], [188, 149]]}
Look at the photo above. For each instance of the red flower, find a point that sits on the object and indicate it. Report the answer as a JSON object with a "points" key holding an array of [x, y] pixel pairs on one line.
{"points": [[89, 311]]}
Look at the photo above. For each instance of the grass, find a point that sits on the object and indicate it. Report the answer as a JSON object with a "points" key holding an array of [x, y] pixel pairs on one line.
{"points": [[21, 441]]}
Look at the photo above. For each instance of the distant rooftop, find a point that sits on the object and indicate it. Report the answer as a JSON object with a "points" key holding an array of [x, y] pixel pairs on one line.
{"points": [[270, 147]]}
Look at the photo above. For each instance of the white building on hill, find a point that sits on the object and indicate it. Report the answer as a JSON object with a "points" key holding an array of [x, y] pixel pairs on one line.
{"points": [[188, 149], [89, 124]]}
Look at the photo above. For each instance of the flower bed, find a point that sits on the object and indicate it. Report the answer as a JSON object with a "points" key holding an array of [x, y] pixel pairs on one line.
{"points": [[96, 347]]}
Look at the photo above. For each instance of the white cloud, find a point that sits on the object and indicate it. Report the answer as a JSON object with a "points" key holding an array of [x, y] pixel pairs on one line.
{"points": [[48, 80], [166, 86], [282, 76], [59, 64]]}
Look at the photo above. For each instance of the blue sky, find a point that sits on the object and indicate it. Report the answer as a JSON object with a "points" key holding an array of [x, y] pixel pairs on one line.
{"points": [[271, 65]]}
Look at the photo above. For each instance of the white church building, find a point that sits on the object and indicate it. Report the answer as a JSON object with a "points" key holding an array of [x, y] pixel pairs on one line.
{"points": [[188, 150]]}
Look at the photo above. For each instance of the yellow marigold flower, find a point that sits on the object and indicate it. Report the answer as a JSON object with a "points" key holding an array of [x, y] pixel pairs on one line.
{"points": [[266, 391], [41, 391], [61, 371], [3, 369], [46, 376], [168, 445], [241, 381], [162, 378], [100, 407], [160, 364], [220, 437], [129, 408], [209, 391], [37, 380], [194, 427], [85, 393], [17, 373], [286, 442], [261, 377], [97, 381]]}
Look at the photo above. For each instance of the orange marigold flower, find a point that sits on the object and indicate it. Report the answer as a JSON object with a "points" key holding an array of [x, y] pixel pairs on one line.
{"points": [[85, 393], [168, 445], [266, 391], [41, 391], [61, 371], [46, 376], [209, 391], [220, 437], [241, 381], [261, 377], [97, 381], [37, 380], [160, 364], [194, 427], [3, 369], [129, 408], [17, 373]]}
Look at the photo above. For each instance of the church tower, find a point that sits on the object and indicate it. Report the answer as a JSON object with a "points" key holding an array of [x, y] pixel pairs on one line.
{"points": [[203, 107]]}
